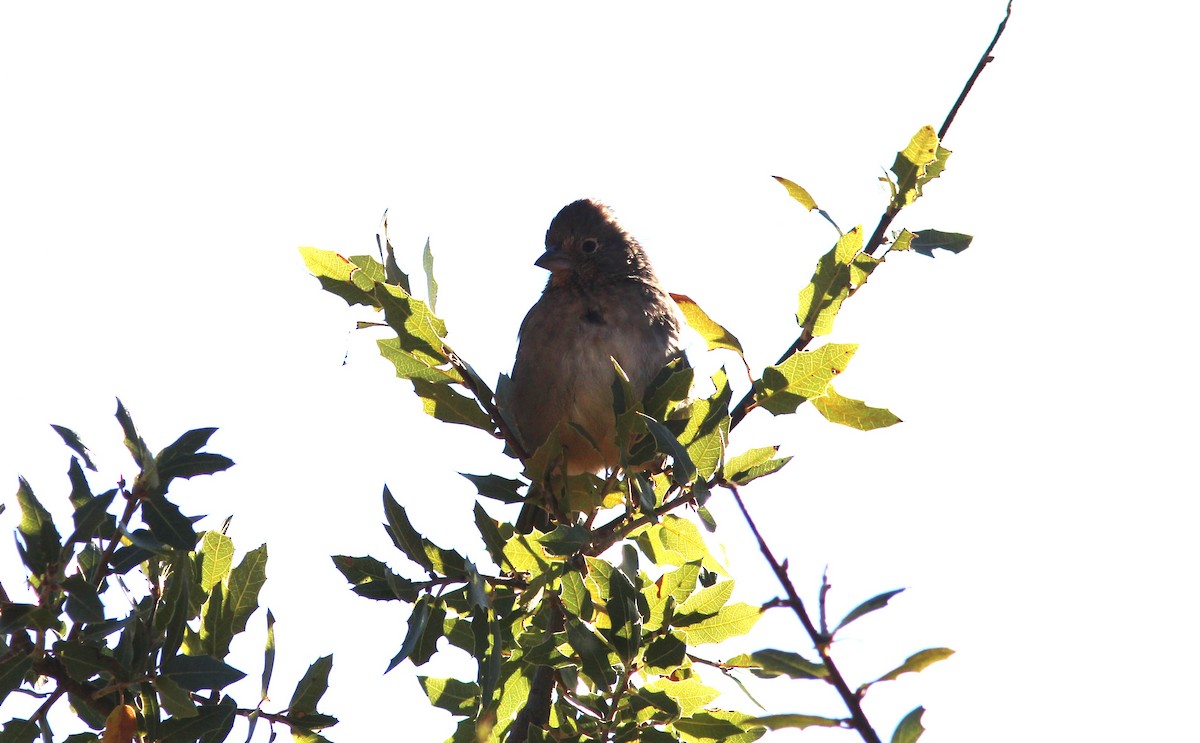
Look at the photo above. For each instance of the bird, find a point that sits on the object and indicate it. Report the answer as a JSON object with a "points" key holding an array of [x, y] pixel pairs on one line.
{"points": [[602, 302]]}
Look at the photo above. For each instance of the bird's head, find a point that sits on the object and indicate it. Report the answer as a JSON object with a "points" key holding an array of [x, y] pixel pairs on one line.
{"points": [[586, 243]]}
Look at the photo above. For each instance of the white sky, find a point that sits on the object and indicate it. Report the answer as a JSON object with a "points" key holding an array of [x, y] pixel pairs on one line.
{"points": [[160, 166]]}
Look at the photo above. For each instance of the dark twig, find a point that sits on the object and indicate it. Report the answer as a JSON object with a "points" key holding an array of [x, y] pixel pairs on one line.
{"points": [[858, 720]]}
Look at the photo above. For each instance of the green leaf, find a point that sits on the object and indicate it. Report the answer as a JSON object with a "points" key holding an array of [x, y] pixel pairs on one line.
{"points": [[311, 687], [566, 540], [731, 621], [852, 413], [215, 558], [575, 597], [689, 694], [91, 516], [498, 488], [753, 464], [803, 375], [420, 331], [85, 662], [42, 544], [489, 532], [17, 730], [714, 334], [683, 471], [454, 696], [707, 428], [707, 601], [238, 600], [211, 723], [71, 439], [926, 241], [133, 442], [445, 404], [720, 725], [430, 284], [780, 722], [912, 167], [797, 193], [910, 728], [196, 672], [372, 579], [916, 662], [773, 663], [337, 274], [167, 523], [409, 366], [839, 271], [81, 492], [872, 604], [665, 655], [593, 653], [676, 541], [418, 620], [83, 603], [268, 655], [175, 699], [392, 272], [401, 530], [903, 241], [13, 667]]}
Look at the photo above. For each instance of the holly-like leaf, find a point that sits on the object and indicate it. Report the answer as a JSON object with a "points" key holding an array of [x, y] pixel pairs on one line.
{"points": [[753, 464], [499, 488], [454, 696], [802, 376], [404, 536], [916, 165], [71, 439], [196, 672], [853, 413], [167, 524], [312, 687], [838, 272], [337, 276], [445, 404]]}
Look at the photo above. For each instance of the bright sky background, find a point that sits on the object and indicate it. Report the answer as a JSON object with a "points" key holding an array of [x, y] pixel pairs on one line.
{"points": [[160, 166]]}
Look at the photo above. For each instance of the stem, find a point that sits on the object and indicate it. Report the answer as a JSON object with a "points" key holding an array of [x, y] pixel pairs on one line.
{"points": [[858, 720]]}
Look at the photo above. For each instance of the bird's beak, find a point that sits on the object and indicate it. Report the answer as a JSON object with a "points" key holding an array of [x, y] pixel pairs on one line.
{"points": [[553, 260]]}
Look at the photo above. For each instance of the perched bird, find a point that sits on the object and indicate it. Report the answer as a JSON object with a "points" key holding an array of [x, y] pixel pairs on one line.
{"points": [[602, 302]]}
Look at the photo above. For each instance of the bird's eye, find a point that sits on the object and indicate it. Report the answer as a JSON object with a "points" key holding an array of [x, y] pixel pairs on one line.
{"points": [[589, 245]]}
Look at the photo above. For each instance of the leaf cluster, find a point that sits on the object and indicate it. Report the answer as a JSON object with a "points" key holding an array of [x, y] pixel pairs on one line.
{"points": [[593, 630], [155, 670]]}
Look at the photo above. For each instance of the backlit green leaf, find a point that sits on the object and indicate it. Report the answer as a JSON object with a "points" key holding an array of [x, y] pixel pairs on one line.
{"points": [[853, 413], [803, 375], [445, 404], [916, 662], [910, 728], [872, 604]]}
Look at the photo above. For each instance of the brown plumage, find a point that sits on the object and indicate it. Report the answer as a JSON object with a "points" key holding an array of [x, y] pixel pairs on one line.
{"points": [[602, 300]]}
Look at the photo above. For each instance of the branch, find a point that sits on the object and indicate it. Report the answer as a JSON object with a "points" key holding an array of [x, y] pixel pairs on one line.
{"points": [[858, 720]]}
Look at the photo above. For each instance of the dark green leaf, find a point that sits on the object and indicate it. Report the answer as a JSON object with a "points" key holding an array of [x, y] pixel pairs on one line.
{"points": [[175, 699], [13, 667], [417, 621], [93, 520], [72, 440], [566, 540], [493, 538], [910, 728], [19, 731], [683, 470], [133, 442], [496, 487], [196, 672], [311, 687], [189, 465], [868, 606], [83, 603], [926, 241], [710, 726], [167, 524], [401, 530], [443, 403], [592, 652], [210, 725], [268, 655], [42, 544], [372, 579], [81, 492], [665, 655], [452, 695]]}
